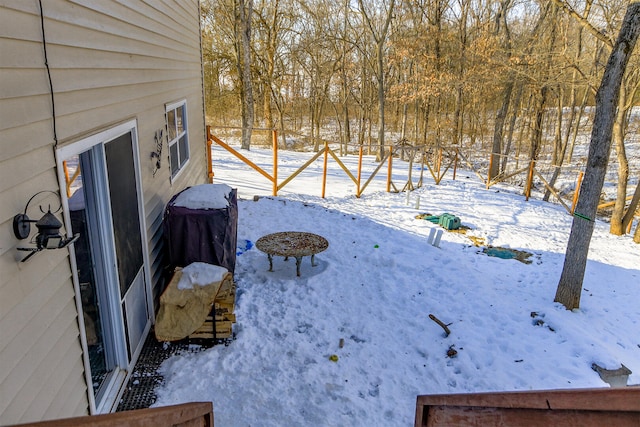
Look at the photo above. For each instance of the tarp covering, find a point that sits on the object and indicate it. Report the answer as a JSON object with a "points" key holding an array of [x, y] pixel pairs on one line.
{"points": [[183, 311], [202, 234]]}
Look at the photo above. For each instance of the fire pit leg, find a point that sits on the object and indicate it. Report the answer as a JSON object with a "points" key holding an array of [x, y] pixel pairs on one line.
{"points": [[313, 257], [270, 262], [298, 262]]}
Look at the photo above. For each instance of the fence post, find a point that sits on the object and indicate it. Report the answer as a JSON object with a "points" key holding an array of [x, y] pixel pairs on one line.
{"points": [[389, 169], [489, 172], [359, 171], [455, 164], [324, 168], [527, 190], [576, 192], [274, 134], [209, 159]]}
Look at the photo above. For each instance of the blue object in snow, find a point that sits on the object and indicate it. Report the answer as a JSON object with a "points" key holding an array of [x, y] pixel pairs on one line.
{"points": [[243, 246]]}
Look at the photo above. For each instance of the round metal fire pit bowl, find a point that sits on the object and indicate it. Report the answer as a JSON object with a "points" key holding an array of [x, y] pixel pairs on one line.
{"points": [[296, 244]]}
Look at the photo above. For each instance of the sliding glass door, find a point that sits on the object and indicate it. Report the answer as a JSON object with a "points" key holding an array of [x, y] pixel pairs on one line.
{"points": [[103, 205]]}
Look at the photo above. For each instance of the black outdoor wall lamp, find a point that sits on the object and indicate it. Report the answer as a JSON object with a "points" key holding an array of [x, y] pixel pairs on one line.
{"points": [[48, 226]]}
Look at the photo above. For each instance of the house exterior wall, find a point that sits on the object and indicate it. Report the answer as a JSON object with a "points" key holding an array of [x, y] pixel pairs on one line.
{"points": [[109, 63]]}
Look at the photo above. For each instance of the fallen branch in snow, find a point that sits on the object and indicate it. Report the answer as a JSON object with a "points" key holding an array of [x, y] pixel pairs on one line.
{"points": [[441, 323]]}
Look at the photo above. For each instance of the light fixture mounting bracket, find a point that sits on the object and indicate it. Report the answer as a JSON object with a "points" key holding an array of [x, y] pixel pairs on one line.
{"points": [[21, 226]]}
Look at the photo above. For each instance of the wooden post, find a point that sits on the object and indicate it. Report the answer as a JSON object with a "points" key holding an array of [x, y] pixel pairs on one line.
{"points": [[324, 168], [209, 158], [389, 169], [275, 161], [410, 177], [66, 178], [489, 172], [359, 171], [576, 192], [455, 164], [527, 190]]}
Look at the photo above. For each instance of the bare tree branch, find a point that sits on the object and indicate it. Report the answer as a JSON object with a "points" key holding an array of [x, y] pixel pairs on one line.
{"points": [[585, 23]]}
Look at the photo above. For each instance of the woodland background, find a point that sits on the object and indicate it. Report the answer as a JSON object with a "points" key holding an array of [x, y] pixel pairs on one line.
{"points": [[507, 82]]}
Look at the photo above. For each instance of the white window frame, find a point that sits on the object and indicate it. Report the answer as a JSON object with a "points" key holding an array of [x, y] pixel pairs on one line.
{"points": [[177, 136]]}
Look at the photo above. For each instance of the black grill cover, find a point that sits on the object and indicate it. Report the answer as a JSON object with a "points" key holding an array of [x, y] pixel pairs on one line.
{"points": [[202, 235]]}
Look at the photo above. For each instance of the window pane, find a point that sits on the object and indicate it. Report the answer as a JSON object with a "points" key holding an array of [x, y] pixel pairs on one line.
{"points": [[180, 119], [184, 149], [171, 124], [173, 155]]}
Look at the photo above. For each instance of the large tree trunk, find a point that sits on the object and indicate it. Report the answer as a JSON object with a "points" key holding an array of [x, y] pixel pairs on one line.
{"points": [[499, 127], [575, 261], [501, 115], [243, 35]]}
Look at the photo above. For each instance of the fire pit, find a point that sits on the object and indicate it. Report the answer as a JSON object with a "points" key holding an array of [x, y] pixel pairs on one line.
{"points": [[296, 244]]}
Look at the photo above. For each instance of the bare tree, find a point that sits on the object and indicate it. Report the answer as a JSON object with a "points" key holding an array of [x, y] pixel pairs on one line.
{"points": [[563, 143], [570, 284], [631, 84], [628, 90], [380, 38], [219, 59], [242, 26]]}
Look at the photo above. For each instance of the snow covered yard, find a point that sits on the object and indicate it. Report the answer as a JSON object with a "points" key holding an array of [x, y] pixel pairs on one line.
{"points": [[375, 287]]}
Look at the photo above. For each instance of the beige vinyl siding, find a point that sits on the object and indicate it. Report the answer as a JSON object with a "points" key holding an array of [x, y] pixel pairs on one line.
{"points": [[39, 133], [155, 211], [41, 348], [109, 63]]}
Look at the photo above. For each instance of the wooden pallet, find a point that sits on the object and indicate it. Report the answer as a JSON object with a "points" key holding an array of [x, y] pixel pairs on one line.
{"points": [[223, 330], [219, 323]]}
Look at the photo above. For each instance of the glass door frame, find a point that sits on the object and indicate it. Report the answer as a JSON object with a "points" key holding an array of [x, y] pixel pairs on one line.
{"points": [[107, 268]]}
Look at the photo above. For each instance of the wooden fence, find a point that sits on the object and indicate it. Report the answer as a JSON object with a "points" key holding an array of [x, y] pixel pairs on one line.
{"points": [[326, 151], [437, 160]]}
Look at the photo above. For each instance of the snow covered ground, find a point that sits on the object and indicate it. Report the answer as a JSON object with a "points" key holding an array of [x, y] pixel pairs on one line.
{"points": [[374, 288]]}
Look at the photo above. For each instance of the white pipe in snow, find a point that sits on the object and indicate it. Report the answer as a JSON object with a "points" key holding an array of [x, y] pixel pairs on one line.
{"points": [[436, 242]]}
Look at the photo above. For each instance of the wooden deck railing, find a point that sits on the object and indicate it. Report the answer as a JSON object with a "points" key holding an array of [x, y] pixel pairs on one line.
{"points": [[196, 414], [618, 407]]}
